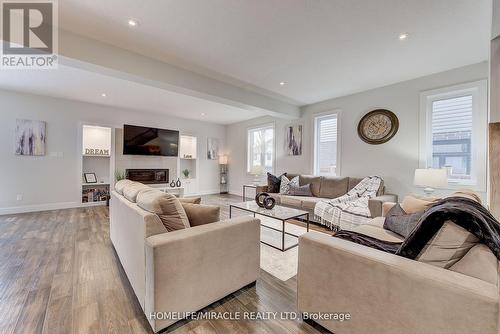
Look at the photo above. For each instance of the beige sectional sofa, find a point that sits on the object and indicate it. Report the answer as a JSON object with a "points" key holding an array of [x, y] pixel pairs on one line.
{"points": [[325, 188], [390, 294], [183, 270]]}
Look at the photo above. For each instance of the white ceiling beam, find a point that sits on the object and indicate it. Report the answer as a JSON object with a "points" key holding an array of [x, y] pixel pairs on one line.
{"points": [[82, 52]]}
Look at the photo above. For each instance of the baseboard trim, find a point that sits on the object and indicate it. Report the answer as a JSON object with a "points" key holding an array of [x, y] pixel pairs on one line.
{"points": [[70, 205], [41, 207]]}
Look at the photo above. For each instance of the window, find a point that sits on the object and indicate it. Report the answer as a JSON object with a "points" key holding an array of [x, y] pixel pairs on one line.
{"points": [[454, 123], [326, 145], [260, 154]]}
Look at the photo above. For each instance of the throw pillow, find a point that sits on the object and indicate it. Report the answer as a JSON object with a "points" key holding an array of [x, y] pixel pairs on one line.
{"points": [[447, 246], [479, 262], [399, 222], [166, 206], [273, 183], [304, 190], [199, 214], [413, 204], [286, 184]]}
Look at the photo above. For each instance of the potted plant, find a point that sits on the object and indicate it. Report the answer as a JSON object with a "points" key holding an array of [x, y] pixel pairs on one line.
{"points": [[185, 172], [120, 175]]}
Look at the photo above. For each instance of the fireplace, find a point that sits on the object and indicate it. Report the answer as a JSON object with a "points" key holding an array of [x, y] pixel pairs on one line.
{"points": [[148, 176]]}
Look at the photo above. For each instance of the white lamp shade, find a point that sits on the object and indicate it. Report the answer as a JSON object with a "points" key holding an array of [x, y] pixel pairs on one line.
{"points": [[223, 159], [431, 177]]}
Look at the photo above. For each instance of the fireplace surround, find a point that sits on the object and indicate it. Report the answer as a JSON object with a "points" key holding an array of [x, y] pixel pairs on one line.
{"points": [[148, 176]]}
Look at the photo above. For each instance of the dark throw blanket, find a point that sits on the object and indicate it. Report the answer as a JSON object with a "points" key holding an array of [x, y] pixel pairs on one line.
{"points": [[386, 246], [464, 212]]}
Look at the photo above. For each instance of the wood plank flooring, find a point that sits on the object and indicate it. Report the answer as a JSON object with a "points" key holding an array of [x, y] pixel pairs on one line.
{"points": [[59, 274]]}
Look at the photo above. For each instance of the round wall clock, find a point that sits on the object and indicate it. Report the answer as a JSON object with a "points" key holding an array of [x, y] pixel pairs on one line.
{"points": [[378, 126]]}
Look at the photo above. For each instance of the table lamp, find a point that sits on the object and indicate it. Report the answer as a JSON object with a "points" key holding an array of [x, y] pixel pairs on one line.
{"points": [[431, 178]]}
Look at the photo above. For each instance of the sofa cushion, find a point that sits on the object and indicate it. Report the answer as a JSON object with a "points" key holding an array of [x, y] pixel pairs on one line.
{"points": [[413, 204], [333, 187], [121, 184], [286, 183], [470, 194], [199, 214], [353, 182], [273, 182], [166, 206], [132, 189], [294, 201], [314, 181], [308, 203], [400, 222], [304, 190], [479, 262], [377, 232], [447, 246]]}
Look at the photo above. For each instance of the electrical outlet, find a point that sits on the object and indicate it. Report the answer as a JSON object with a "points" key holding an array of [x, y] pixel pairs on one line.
{"points": [[19, 197]]}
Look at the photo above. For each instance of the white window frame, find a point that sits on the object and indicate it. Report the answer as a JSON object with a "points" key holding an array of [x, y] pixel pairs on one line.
{"points": [[479, 140], [315, 118], [257, 127]]}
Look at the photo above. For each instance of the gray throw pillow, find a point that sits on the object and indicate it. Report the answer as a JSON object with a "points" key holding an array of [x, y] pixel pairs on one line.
{"points": [[304, 190], [399, 222]]}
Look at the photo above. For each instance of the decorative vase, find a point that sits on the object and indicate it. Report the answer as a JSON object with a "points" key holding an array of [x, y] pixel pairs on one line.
{"points": [[264, 200], [178, 183], [172, 184]]}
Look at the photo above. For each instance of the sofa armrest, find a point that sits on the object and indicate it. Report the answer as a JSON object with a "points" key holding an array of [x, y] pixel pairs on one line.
{"points": [[375, 203], [189, 269], [370, 285], [261, 189]]}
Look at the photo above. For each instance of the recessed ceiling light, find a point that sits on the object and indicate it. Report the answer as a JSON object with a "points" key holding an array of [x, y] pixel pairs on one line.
{"points": [[132, 22], [103, 94], [282, 83], [403, 36], [203, 114]]}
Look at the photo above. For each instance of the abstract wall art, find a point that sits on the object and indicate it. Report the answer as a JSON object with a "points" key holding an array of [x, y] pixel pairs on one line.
{"points": [[212, 149], [294, 139], [30, 137]]}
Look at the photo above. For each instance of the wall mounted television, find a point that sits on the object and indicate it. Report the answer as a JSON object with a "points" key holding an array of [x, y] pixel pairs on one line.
{"points": [[139, 140]]}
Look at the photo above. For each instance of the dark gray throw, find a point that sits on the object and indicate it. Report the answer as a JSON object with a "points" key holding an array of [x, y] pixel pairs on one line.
{"points": [[462, 211]]}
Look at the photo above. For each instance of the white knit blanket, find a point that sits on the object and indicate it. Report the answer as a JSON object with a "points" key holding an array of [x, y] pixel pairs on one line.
{"points": [[351, 209]]}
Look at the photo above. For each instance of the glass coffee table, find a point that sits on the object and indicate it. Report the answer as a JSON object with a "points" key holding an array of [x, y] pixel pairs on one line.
{"points": [[281, 213]]}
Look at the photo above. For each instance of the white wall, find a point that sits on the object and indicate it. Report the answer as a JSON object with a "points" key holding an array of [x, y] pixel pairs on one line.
{"points": [[53, 180], [495, 27], [395, 161]]}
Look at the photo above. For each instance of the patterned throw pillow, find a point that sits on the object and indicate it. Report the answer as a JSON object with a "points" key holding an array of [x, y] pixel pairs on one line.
{"points": [[273, 183], [286, 184], [400, 222], [304, 190]]}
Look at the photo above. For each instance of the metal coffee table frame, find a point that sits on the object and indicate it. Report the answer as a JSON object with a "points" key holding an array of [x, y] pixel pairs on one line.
{"points": [[283, 221]]}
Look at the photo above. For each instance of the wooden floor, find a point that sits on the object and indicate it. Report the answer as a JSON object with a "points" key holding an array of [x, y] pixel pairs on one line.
{"points": [[59, 274]]}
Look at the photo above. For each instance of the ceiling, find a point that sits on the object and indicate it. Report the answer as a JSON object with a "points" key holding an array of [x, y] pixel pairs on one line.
{"points": [[81, 85], [321, 49]]}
